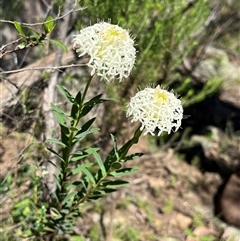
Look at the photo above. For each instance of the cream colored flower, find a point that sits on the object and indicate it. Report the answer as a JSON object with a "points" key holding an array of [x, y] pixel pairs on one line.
{"points": [[156, 108], [110, 48]]}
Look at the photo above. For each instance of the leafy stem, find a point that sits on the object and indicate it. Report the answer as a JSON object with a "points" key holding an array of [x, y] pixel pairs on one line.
{"points": [[67, 150]]}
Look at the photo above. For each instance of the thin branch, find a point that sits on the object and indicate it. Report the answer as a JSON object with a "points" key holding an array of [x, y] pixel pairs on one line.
{"points": [[55, 19], [11, 43], [41, 68]]}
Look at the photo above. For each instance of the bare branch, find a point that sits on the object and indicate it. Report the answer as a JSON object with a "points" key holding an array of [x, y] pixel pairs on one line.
{"points": [[11, 43], [24, 79], [37, 24], [42, 68]]}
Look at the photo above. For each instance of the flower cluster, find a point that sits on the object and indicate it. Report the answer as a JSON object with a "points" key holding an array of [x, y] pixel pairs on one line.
{"points": [[156, 108], [112, 55], [110, 48]]}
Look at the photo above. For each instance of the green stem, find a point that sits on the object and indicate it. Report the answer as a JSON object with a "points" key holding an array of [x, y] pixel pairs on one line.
{"points": [[124, 150], [86, 89], [89, 192], [78, 117], [67, 151]]}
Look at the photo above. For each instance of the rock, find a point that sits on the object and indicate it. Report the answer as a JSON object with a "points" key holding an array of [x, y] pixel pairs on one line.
{"points": [[231, 233], [227, 200], [181, 221], [219, 148], [156, 183], [217, 64], [200, 232]]}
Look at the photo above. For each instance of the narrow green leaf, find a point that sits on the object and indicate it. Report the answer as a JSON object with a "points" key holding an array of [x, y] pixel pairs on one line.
{"points": [[115, 145], [87, 125], [109, 190], [95, 98], [64, 133], [57, 181], [91, 103], [89, 175], [49, 26], [74, 129], [59, 116], [116, 166], [80, 155], [52, 140], [60, 111], [52, 163], [65, 211], [65, 93], [64, 138], [74, 111], [49, 161], [124, 172], [59, 44], [47, 229], [83, 168], [80, 136], [125, 148], [132, 157], [22, 45], [95, 197], [19, 28], [76, 105], [34, 37], [115, 183], [70, 186], [111, 158], [55, 213], [69, 196], [78, 98], [86, 110], [94, 102], [67, 226], [97, 157], [81, 183], [98, 192], [55, 153]]}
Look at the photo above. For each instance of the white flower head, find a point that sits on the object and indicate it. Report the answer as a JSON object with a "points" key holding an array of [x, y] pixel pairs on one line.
{"points": [[110, 48], [156, 108]]}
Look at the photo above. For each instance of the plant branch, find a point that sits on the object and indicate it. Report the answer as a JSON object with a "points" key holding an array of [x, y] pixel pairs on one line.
{"points": [[42, 68], [55, 19]]}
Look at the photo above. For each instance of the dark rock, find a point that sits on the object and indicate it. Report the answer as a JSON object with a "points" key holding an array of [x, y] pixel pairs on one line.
{"points": [[227, 200]]}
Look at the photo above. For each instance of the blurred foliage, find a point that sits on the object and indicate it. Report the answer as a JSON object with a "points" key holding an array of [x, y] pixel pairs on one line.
{"points": [[127, 233], [9, 9], [191, 96], [163, 31]]}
